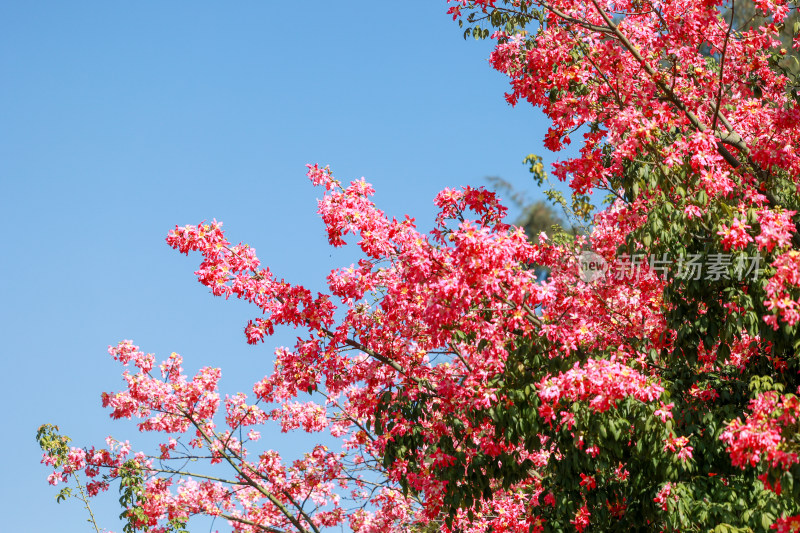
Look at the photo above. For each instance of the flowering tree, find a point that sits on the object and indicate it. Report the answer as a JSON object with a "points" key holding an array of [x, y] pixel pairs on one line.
{"points": [[649, 383]]}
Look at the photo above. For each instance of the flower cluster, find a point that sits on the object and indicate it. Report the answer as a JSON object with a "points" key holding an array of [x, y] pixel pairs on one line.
{"points": [[463, 291], [782, 290], [602, 383], [760, 437]]}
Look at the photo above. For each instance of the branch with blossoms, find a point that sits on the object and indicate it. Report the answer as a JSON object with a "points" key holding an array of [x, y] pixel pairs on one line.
{"points": [[594, 49], [470, 396], [177, 405], [449, 444], [59, 455], [464, 295]]}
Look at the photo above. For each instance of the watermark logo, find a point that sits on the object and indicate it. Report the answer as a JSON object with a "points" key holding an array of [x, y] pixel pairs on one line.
{"points": [[591, 266], [708, 267]]}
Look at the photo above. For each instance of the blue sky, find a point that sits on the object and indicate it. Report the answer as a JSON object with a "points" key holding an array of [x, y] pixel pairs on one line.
{"points": [[120, 120]]}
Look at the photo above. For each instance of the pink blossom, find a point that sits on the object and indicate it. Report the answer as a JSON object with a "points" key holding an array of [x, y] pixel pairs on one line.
{"points": [[736, 236]]}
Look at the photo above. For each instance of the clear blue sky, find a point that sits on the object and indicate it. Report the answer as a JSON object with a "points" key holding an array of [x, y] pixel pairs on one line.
{"points": [[119, 120]]}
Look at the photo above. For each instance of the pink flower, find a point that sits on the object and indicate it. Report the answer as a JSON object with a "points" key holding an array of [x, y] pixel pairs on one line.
{"points": [[581, 520], [593, 450], [588, 482], [664, 495], [735, 237], [679, 446], [664, 411], [790, 524], [776, 229], [693, 211]]}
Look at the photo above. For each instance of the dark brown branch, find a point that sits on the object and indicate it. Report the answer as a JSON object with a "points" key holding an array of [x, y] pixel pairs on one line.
{"points": [[721, 71]]}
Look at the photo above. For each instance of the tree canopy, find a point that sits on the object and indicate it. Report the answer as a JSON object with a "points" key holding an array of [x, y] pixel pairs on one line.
{"points": [[648, 384]]}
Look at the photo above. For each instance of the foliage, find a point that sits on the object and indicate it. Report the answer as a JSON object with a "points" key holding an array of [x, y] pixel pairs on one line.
{"points": [[656, 394], [57, 455], [539, 217]]}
